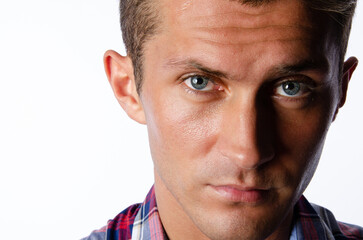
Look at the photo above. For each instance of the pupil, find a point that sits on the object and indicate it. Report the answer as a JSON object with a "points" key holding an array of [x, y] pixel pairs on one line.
{"points": [[291, 88], [199, 82]]}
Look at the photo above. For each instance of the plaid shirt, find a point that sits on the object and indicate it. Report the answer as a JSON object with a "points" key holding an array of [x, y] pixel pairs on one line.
{"points": [[142, 222]]}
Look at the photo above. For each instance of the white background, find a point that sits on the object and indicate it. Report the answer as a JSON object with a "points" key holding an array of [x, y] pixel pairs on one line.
{"points": [[70, 159]]}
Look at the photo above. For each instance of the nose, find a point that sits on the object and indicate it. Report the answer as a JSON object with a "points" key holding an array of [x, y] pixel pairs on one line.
{"points": [[246, 136]]}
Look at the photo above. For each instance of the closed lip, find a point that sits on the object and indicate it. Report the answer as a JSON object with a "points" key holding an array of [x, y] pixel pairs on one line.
{"points": [[241, 194], [240, 187]]}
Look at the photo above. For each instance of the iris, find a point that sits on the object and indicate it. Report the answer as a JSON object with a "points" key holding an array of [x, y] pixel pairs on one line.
{"points": [[291, 88], [199, 82]]}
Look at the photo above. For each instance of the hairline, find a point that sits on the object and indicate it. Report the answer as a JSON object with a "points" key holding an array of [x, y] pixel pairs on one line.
{"points": [[140, 59]]}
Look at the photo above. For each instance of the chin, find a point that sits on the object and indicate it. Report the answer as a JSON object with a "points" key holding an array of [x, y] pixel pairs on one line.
{"points": [[241, 224], [239, 229]]}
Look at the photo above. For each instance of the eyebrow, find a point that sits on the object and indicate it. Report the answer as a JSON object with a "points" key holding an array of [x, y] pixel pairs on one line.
{"points": [[318, 65], [194, 64]]}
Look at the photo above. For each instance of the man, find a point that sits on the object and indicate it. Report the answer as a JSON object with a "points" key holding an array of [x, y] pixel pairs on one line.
{"points": [[237, 97]]}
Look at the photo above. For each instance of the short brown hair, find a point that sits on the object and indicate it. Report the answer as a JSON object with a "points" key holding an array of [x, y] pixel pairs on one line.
{"points": [[140, 20]]}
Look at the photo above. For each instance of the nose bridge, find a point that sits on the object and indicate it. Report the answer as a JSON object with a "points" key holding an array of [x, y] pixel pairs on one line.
{"points": [[245, 140], [244, 122]]}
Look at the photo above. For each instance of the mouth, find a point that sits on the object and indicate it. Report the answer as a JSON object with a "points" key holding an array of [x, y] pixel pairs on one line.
{"points": [[241, 194]]}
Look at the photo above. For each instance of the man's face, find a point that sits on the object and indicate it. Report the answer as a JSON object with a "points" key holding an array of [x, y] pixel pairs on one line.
{"points": [[237, 100]]}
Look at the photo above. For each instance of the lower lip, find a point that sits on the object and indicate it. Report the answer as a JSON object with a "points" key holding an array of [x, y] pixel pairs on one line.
{"points": [[237, 196]]}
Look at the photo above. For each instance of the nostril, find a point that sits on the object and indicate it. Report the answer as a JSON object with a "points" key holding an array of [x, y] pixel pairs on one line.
{"points": [[248, 158]]}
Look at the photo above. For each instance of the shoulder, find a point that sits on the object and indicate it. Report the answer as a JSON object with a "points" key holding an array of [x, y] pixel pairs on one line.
{"points": [[339, 230], [121, 225]]}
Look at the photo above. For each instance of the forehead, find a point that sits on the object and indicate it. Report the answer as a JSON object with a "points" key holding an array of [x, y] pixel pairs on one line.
{"points": [[215, 15], [223, 30], [185, 9]]}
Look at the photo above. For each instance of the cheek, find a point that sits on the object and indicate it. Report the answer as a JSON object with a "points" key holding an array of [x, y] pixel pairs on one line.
{"points": [[302, 132], [181, 133], [304, 129], [300, 139]]}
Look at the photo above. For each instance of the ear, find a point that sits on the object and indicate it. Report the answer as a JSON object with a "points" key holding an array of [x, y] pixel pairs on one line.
{"points": [[120, 74], [348, 69]]}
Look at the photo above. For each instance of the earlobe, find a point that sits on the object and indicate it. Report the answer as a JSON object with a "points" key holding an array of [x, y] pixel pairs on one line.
{"points": [[348, 69], [120, 74]]}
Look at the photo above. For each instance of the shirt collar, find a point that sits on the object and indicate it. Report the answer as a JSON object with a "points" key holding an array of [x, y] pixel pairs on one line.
{"points": [[147, 223], [307, 223]]}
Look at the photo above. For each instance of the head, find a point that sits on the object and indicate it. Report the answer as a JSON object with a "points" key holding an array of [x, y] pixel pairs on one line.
{"points": [[136, 33], [237, 98]]}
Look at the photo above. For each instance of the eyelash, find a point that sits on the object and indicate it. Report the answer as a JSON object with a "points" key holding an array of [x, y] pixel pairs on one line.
{"points": [[200, 92], [304, 84], [292, 102], [308, 83]]}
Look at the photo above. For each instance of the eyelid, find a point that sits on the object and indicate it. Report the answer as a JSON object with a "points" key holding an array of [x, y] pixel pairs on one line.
{"points": [[210, 78], [307, 86], [299, 101], [190, 75], [207, 87], [300, 79]]}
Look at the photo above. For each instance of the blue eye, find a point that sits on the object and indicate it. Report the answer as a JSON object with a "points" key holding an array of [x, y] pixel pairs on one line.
{"points": [[199, 83], [292, 89]]}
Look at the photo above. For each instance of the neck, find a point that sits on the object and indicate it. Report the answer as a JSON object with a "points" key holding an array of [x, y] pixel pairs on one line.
{"points": [[176, 222], [284, 230]]}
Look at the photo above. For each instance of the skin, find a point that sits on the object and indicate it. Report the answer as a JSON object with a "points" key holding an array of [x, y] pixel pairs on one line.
{"points": [[233, 158]]}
